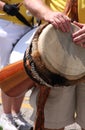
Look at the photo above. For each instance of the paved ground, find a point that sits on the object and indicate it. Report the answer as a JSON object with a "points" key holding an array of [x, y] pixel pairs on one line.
{"points": [[27, 110]]}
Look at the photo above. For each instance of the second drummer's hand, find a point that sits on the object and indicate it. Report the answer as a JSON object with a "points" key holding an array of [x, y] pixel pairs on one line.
{"points": [[79, 36], [59, 20]]}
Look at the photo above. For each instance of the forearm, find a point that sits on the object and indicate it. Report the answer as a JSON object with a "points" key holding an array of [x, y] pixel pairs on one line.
{"points": [[37, 8], [1, 5], [43, 12]]}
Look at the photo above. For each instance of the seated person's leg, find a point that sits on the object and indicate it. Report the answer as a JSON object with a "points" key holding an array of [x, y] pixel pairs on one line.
{"points": [[59, 108], [81, 105]]}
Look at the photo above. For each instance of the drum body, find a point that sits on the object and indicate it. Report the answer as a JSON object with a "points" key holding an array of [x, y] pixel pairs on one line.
{"points": [[19, 49], [13, 79], [55, 58]]}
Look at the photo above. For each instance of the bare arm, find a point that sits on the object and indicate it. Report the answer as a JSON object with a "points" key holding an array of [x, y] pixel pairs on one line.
{"points": [[39, 9], [1, 5]]}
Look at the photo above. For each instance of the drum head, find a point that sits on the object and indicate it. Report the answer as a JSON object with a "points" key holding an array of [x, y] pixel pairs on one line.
{"points": [[60, 54]]}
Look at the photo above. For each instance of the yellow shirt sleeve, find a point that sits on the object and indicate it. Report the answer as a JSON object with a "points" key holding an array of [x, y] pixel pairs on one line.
{"points": [[81, 11]]}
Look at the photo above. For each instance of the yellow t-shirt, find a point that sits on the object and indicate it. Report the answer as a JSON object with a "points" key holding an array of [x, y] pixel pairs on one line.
{"points": [[81, 11], [59, 5], [22, 10], [56, 5]]}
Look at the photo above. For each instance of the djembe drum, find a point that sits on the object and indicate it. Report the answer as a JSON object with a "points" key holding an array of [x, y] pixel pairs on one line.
{"points": [[54, 61], [54, 58]]}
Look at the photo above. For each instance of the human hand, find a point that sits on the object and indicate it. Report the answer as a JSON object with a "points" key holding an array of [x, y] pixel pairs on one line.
{"points": [[11, 9], [59, 20], [79, 36]]}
